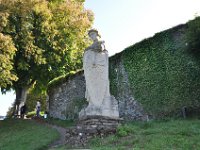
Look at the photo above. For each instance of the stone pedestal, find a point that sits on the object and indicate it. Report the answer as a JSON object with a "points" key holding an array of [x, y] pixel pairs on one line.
{"points": [[91, 126], [98, 124], [109, 108], [101, 116], [95, 65]]}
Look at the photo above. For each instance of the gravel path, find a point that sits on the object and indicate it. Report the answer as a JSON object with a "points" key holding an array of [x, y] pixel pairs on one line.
{"points": [[61, 140], [61, 130]]}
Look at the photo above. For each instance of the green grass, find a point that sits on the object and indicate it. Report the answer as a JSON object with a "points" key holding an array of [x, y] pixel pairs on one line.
{"points": [[53, 121], [58, 122], [59, 148], [17, 134], [167, 135], [153, 135]]}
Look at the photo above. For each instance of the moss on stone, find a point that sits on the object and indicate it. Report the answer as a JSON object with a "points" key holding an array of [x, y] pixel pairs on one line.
{"points": [[63, 79]]}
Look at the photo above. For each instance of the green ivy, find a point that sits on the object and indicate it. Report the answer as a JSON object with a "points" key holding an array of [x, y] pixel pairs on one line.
{"points": [[164, 72], [113, 73]]}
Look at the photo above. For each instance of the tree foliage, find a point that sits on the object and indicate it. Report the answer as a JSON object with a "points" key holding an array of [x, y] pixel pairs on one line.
{"points": [[7, 51], [39, 40], [32, 100]]}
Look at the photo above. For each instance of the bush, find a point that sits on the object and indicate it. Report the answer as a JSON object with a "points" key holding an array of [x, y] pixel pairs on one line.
{"points": [[33, 113]]}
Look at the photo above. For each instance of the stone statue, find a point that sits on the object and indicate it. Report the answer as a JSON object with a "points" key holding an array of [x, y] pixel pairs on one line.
{"points": [[95, 65]]}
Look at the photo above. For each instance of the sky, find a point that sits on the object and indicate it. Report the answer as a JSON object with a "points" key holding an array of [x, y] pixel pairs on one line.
{"points": [[122, 23], [6, 102]]}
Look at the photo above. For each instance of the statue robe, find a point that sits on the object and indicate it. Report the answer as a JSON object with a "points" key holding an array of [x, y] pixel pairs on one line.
{"points": [[95, 65]]}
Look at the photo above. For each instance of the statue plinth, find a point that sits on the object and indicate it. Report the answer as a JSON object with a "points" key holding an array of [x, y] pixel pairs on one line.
{"points": [[95, 65], [98, 125], [109, 108], [89, 127], [101, 116]]}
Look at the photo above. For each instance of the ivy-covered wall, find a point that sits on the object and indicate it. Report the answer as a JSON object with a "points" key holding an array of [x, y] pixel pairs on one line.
{"points": [[156, 77], [129, 108], [164, 71]]}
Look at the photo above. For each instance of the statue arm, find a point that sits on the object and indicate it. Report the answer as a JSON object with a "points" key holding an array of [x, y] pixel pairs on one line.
{"points": [[103, 47]]}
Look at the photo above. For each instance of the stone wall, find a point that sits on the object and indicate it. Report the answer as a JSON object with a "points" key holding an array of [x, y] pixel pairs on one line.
{"points": [[67, 98], [129, 108], [160, 75]]}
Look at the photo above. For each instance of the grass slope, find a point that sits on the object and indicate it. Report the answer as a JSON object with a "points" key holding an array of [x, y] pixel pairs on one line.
{"points": [[25, 135], [153, 135], [156, 135]]}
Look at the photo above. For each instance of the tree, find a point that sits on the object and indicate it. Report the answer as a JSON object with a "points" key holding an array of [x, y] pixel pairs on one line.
{"points": [[32, 100], [7, 51], [46, 38]]}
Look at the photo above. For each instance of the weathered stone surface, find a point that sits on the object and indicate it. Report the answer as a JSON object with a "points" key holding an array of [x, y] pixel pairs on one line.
{"points": [[91, 126], [95, 65], [129, 108], [66, 100]]}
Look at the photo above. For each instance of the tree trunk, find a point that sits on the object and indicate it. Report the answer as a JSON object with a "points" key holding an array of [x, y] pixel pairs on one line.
{"points": [[21, 95]]}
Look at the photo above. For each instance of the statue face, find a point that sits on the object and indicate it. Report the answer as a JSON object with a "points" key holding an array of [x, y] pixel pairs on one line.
{"points": [[93, 36]]}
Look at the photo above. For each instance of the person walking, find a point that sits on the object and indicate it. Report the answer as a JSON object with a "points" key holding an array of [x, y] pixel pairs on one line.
{"points": [[38, 108], [23, 111]]}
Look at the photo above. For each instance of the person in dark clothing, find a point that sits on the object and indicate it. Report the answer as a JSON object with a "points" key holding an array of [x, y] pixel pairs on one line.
{"points": [[23, 111]]}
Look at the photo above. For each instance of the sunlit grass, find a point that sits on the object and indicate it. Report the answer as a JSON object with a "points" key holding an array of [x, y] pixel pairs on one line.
{"points": [[153, 135], [17, 134], [176, 134]]}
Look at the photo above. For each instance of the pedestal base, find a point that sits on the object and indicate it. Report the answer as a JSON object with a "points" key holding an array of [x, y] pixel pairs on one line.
{"points": [[98, 124], [91, 126], [108, 108]]}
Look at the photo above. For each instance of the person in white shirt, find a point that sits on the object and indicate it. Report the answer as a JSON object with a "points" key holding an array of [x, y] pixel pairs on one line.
{"points": [[38, 108]]}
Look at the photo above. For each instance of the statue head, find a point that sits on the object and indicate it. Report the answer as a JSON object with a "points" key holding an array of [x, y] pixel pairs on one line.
{"points": [[94, 35]]}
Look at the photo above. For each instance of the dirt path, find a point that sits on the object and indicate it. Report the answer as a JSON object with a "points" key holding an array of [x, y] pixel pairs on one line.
{"points": [[61, 130], [61, 141]]}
